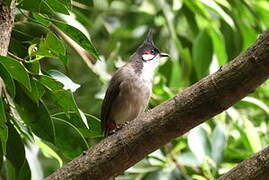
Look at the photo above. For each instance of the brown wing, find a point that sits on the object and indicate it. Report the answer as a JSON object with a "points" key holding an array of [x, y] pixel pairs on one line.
{"points": [[112, 93]]}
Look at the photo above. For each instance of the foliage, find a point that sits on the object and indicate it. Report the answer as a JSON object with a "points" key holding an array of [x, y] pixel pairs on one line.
{"points": [[50, 100]]}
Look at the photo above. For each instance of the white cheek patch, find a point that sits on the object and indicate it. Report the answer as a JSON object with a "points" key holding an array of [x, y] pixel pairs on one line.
{"points": [[147, 57]]}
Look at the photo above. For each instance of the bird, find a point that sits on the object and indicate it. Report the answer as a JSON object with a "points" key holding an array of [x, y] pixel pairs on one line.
{"points": [[130, 88]]}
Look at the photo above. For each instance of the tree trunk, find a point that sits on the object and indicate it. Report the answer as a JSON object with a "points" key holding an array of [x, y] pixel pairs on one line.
{"points": [[203, 100], [7, 15]]}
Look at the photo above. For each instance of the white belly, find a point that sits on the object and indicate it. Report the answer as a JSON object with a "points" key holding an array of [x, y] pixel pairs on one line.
{"points": [[132, 100], [134, 94]]}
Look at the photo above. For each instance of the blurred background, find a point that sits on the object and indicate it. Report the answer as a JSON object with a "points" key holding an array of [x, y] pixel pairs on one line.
{"points": [[200, 36]]}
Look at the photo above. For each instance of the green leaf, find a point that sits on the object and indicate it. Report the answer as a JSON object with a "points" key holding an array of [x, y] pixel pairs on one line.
{"points": [[219, 46], [3, 137], [33, 67], [35, 116], [65, 99], [199, 143], [252, 136], [36, 92], [50, 83], [218, 143], [52, 47], [94, 126], [188, 159], [161, 90], [15, 149], [66, 81], [197, 8], [144, 166], [256, 102], [247, 30], [72, 118], [10, 170], [202, 53], [9, 83], [172, 71], [166, 173], [17, 71], [217, 9], [1, 155], [3, 118], [198, 177], [237, 154], [44, 6], [190, 17], [78, 37], [3, 126], [74, 145], [243, 137], [55, 44], [233, 40], [25, 172], [45, 148], [175, 80], [249, 136], [13, 173], [41, 19]]}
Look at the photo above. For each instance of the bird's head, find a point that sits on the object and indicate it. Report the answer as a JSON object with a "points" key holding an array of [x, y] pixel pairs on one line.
{"points": [[148, 51]]}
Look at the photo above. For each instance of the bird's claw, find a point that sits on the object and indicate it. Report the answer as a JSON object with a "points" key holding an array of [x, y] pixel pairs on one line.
{"points": [[118, 127]]}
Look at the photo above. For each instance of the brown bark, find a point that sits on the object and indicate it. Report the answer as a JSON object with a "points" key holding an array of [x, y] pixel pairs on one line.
{"points": [[7, 15], [256, 167], [208, 97]]}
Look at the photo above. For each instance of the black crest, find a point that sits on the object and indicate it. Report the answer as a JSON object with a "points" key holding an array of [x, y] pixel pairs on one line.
{"points": [[147, 45]]}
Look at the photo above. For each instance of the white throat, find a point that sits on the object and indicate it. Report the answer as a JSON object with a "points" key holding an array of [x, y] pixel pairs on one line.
{"points": [[149, 68]]}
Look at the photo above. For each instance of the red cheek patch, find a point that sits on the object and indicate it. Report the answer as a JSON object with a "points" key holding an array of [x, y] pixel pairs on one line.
{"points": [[148, 52]]}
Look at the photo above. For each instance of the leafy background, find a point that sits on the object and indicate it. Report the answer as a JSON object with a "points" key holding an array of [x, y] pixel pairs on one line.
{"points": [[63, 53]]}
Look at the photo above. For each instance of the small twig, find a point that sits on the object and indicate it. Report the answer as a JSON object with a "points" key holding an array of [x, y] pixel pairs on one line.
{"points": [[80, 5], [15, 57], [84, 54], [86, 57]]}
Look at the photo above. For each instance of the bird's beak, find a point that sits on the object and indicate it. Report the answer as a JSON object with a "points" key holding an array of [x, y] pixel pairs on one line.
{"points": [[164, 55]]}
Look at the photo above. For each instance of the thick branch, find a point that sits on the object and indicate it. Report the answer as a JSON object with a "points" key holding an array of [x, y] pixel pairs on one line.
{"points": [[7, 15], [203, 100], [256, 167]]}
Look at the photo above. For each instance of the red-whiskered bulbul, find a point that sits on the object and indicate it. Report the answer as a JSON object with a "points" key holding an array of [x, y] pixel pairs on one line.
{"points": [[130, 88]]}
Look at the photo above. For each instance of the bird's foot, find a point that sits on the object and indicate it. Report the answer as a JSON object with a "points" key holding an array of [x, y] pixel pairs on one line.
{"points": [[118, 127]]}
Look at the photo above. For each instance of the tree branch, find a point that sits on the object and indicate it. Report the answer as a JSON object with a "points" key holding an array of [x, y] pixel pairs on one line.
{"points": [[203, 100], [256, 167], [86, 57]]}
